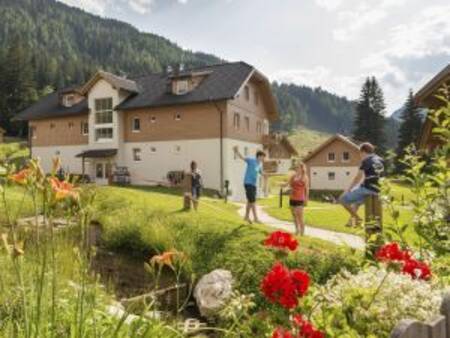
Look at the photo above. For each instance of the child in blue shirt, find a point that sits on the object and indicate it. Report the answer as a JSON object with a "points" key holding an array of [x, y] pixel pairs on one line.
{"points": [[252, 172]]}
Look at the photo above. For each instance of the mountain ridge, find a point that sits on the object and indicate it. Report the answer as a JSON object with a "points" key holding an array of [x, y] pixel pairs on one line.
{"points": [[65, 45]]}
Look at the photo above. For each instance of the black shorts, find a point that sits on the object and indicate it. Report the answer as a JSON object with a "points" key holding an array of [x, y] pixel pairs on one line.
{"points": [[294, 203], [196, 192], [250, 193]]}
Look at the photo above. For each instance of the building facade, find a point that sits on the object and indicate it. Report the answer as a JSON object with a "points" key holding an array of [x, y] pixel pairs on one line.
{"points": [[156, 124], [334, 164], [427, 97]]}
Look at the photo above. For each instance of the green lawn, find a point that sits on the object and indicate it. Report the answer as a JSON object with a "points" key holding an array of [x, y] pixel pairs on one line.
{"points": [[18, 204], [333, 217]]}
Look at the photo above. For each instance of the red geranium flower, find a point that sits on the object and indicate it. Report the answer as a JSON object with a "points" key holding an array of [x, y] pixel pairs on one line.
{"points": [[417, 269], [281, 333], [283, 286], [301, 280], [282, 241], [306, 329], [392, 252]]}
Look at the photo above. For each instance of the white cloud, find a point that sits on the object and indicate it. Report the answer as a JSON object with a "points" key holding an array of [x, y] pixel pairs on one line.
{"points": [[92, 6], [362, 14], [146, 6], [141, 6], [409, 51], [329, 5]]}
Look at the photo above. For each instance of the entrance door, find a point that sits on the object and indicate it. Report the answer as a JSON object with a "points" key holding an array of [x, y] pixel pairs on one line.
{"points": [[102, 172]]}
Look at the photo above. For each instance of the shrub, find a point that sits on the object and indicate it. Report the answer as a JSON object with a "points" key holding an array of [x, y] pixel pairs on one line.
{"points": [[372, 302]]}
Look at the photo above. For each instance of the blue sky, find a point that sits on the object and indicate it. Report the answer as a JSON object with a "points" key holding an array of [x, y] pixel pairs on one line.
{"points": [[334, 44]]}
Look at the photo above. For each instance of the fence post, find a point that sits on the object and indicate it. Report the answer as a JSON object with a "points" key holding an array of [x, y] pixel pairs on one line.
{"points": [[409, 329], [373, 222], [281, 198], [445, 311]]}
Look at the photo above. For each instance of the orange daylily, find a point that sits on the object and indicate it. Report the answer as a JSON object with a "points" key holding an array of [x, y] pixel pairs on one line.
{"points": [[167, 258], [63, 189], [21, 177]]}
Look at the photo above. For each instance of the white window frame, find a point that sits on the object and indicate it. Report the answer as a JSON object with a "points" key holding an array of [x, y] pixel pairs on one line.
{"points": [[85, 128], [182, 86], [68, 100], [328, 157], [137, 154], [259, 127], [237, 121], [103, 140], [101, 125], [133, 125], [343, 158]]}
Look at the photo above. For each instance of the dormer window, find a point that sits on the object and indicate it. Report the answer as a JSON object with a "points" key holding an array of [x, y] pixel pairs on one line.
{"points": [[68, 100], [181, 87]]}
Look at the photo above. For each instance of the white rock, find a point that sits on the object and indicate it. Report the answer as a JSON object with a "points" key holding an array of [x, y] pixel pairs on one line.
{"points": [[212, 291]]}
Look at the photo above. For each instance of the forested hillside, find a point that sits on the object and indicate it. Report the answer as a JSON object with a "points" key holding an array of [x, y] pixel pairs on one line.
{"points": [[45, 44], [314, 108]]}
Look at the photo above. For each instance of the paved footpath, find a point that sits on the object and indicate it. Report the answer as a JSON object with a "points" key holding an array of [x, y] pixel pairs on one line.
{"points": [[327, 235]]}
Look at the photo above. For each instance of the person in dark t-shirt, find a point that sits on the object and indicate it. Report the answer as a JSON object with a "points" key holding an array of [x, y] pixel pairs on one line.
{"points": [[364, 184], [196, 184]]}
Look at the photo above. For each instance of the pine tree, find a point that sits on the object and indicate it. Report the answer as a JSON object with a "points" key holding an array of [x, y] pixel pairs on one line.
{"points": [[370, 119], [18, 89], [410, 127]]}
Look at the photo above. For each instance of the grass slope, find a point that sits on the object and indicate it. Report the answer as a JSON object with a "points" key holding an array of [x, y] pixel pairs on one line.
{"points": [[305, 140], [143, 221]]}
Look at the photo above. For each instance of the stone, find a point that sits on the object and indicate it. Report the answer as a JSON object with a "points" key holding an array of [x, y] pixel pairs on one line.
{"points": [[212, 292]]}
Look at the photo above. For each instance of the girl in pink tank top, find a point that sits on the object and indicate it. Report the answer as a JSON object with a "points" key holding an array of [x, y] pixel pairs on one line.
{"points": [[299, 185]]}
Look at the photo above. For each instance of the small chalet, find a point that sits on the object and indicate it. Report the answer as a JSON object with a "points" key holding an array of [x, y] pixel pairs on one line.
{"points": [[426, 97], [333, 164], [280, 151]]}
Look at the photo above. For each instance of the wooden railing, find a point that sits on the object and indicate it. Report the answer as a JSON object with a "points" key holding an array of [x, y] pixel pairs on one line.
{"points": [[438, 327]]}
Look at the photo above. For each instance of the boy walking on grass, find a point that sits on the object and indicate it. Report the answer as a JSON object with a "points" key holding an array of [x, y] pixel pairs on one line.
{"points": [[252, 172], [365, 183]]}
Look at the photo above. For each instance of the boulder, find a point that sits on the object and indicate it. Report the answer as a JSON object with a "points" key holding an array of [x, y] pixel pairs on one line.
{"points": [[212, 292]]}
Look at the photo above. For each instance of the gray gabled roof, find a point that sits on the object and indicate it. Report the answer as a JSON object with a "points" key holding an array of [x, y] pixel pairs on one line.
{"points": [[116, 81], [222, 82], [50, 106], [331, 139]]}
